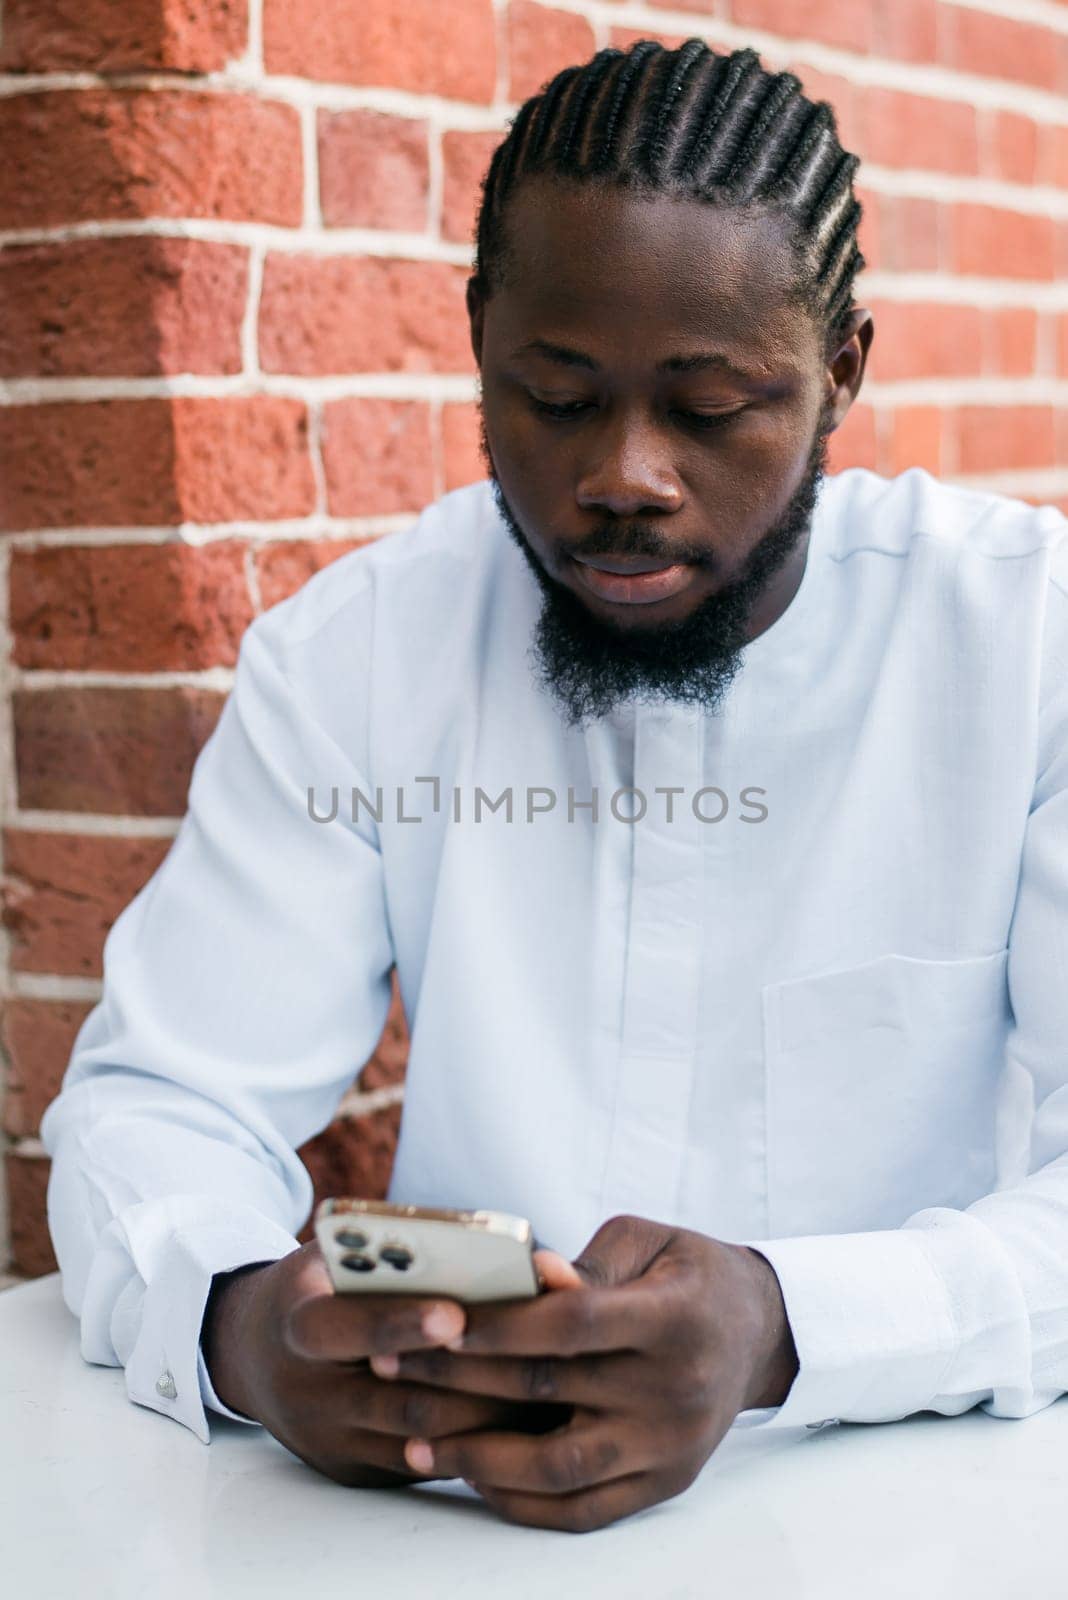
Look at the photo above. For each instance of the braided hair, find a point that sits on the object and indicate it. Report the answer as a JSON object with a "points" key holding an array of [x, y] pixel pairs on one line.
{"points": [[691, 122]]}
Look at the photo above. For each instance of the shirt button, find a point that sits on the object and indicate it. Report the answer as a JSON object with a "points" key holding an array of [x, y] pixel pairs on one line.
{"points": [[165, 1387], [826, 1423]]}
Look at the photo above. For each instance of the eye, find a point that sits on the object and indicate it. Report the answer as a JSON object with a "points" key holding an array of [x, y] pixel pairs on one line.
{"points": [[710, 420], [562, 412]]}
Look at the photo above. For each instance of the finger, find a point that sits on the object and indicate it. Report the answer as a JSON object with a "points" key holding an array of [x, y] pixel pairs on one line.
{"points": [[591, 1450], [344, 1327], [555, 1271], [595, 1381], [581, 1512], [356, 1458], [624, 1317], [402, 1410]]}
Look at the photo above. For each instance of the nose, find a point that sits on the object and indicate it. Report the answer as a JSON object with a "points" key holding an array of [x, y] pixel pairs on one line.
{"points": [[632, 474]]}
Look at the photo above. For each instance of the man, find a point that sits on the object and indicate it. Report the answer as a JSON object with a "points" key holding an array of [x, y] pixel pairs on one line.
{"points": [[715, 816]]}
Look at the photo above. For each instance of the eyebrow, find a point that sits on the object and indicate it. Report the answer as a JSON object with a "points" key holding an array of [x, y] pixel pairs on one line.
{"points": [[703, 361]]}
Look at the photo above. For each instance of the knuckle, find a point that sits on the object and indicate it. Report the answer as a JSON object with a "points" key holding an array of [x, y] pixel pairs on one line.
{"points": [[578, 1323], [539, 1378], [417, 1414], [564, 1466]]}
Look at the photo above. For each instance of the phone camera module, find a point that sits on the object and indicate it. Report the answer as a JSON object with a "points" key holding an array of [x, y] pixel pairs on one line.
{"points": [[358, 1263], [349, 1239], [398, 1256]]}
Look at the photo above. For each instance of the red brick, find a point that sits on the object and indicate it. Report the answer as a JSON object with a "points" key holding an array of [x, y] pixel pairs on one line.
{"points": [[377, 456], [907, 30], [101, 36], [137, 463], [389, 1061], [354, 1156], [38, 1036], [913, 436], [129, 608], [285, 565], [910, 231], [1000, 47], [374, 170], [1012, 341], [623, 38], [1014, 147], [121, 307], [27, 1189], [466, 159], [853, 444], [1004, 438], [63, 891], [909, 130], [461, 436], [324, 314], [117, 751], [870, 229], [845, 23], [840, 94], [925, 341], [1054, 156], [541, 42], [419, 45], [88, 155], [1003, 244]]}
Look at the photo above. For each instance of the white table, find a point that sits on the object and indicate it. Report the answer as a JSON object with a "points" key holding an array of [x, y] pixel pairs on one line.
{"points": [[100, 1497]]}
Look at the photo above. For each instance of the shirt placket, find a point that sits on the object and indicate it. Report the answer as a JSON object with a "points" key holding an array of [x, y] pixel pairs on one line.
{"points": [[658, 1042]]}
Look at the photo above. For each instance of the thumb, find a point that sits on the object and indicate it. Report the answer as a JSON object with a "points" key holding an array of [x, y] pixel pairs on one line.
{"points": [[555, 1271]]}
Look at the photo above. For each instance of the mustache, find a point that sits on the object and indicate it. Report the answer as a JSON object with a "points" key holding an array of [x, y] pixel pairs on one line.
{"points": [[637, 540]]}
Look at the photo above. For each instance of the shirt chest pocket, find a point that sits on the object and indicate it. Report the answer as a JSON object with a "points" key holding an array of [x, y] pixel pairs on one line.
{"points": [[881, 1091]]}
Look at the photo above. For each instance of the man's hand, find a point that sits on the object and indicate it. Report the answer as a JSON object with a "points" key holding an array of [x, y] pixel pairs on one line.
{"points": [[282, 1348], [668, 1336]]}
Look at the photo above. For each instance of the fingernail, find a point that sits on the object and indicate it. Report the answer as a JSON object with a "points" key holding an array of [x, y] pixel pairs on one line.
{"points": [[455, 1344], [444, 1323], [419, 1455], [385, 1366]]}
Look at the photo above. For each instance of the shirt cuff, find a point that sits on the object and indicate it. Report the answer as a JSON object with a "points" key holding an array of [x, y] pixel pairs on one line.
{"points": [[168, 1251], [873, 1324]]}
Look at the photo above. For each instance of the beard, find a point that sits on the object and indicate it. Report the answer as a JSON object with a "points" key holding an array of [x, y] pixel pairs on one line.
{"points": [[589, 666]]}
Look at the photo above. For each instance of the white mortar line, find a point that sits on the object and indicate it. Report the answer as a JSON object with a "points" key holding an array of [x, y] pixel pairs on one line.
{"points": [[262, 235], [371, 385], [253, 58], [96, 823], [8, 803], [252, 578], [413, 386], [309, 145], [29, 1149], [913, 77], [435, 187], [364, 1102], [1045, 13], [262, 532], [250, 344], [44, 678], [45, 986]]}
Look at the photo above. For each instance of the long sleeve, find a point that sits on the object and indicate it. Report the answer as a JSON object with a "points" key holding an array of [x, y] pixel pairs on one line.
{"points": [[243, 988], [959, 1308]]}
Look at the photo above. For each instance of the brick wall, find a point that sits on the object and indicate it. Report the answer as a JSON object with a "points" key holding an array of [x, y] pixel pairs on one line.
{"points": [[232, 347]]}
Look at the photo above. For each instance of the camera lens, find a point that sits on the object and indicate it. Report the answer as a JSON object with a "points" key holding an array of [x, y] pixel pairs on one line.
{"points": [[349, 1239], [398, 1257], [356, 1263]]}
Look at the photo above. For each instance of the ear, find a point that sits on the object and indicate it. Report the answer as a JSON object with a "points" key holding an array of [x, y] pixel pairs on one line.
{"points": [[476, 312], [845, 370]]}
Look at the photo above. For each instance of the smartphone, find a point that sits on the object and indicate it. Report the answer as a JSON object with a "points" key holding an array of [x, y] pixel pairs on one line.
{"points": [[373, 1247]]}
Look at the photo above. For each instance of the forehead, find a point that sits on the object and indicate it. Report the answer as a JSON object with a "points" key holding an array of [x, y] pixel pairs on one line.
{"points": [[617, 266]]}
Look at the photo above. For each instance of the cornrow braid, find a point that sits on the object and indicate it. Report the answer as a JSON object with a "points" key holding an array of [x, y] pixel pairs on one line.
{"points": [[692, 121]]}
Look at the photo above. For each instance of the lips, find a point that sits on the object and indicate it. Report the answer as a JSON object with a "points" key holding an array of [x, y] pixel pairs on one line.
{"points": [[633, 583], [628, 566]]}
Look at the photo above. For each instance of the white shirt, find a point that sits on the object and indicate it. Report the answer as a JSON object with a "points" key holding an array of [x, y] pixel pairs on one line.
{"points": [[840, 1032]]}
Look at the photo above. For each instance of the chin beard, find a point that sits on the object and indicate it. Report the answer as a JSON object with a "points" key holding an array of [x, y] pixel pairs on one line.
{"points": [[589, 666]]}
